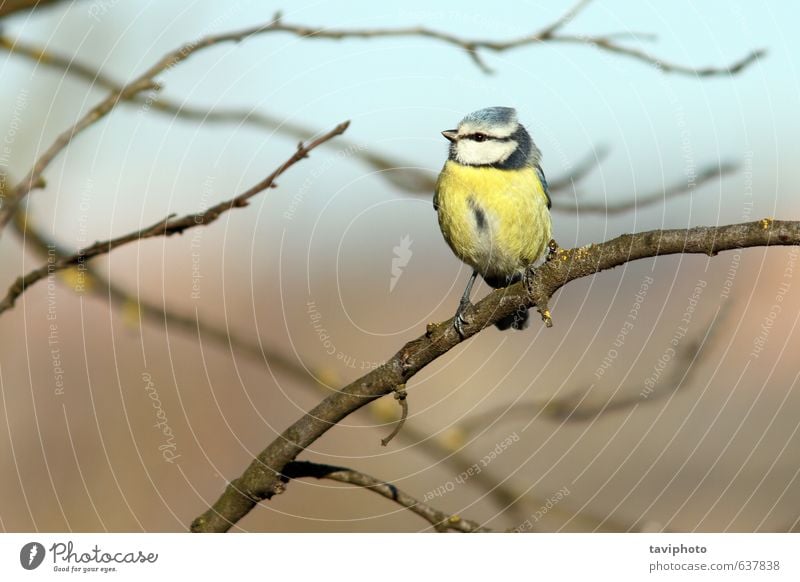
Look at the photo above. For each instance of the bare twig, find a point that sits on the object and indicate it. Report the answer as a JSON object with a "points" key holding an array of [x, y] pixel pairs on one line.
{"points": [[606, 43], [473, 47], [579, 171], [403, 175], [679, 188], [441, 521], [401, 396], [165, 227], [145, 81], [259, 480], [565, 19]]}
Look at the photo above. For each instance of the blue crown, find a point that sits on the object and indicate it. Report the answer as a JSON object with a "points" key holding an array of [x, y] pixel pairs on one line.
{"points": [[492, 116]]}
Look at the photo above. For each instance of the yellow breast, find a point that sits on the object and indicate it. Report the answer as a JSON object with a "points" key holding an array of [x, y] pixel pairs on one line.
{"points": [[497, 221]]}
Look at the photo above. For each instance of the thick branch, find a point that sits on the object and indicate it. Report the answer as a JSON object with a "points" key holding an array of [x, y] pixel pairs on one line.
{"points": [[505, 497], [261, 479], [165, 227], [441, 521]]}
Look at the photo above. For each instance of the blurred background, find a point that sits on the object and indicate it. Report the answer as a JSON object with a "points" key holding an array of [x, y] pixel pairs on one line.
{"points": [[664, 397]]}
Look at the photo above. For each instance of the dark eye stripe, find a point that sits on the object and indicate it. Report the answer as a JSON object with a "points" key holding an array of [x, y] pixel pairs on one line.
{"points": [[481, 137]]}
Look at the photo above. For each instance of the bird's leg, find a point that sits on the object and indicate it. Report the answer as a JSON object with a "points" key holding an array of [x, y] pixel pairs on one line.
{"points": [[552, 249], [459, 321]]}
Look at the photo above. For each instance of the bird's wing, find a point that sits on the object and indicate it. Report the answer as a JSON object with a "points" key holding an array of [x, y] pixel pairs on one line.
{"points": [[542, 179]]}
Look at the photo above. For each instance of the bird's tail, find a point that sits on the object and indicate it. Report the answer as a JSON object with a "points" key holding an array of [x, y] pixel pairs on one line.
{"points": [[517, 320]]}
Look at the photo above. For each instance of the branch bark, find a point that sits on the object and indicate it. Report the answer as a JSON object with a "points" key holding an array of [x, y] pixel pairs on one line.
{"points": [[261, 480]]}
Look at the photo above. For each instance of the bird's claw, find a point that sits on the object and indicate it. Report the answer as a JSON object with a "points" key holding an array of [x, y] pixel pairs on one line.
{"points": [[458, 323], [459, 320]]}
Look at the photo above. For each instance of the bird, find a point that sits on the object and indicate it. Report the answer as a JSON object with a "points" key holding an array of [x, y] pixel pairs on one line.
{"points": [[492, 203]]}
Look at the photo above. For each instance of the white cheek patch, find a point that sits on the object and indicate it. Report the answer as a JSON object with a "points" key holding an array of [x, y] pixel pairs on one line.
{"points": [[473, 153]]}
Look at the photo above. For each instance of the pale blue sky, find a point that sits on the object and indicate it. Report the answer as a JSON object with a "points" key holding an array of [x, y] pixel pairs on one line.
{"points": [[401, 92]]}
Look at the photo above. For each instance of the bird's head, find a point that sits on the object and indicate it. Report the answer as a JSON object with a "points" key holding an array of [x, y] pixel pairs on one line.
{"points": [[492, 137]]}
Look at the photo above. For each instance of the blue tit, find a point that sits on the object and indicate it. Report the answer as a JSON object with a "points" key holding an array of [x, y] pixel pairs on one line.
{"points": [[492, 202]]}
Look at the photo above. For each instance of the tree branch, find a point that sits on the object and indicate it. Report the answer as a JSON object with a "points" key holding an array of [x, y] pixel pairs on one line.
{"points": [[579, 171], [259, 480], [143, 82], [565, 19], [165, 227], [679, 188], [441, 521], [404, 175], [504, 496], [410, 179], [473, 47]]}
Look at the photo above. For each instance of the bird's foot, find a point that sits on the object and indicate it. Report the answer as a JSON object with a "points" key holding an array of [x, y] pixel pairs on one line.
{"points": [[460, 320]]}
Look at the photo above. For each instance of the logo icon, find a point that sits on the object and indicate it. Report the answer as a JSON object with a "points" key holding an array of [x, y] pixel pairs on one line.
{"points": [[31, 555], [402, 254]]}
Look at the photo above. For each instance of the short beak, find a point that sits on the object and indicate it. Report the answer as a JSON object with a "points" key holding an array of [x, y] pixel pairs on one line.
{"points": [[450, 134]]}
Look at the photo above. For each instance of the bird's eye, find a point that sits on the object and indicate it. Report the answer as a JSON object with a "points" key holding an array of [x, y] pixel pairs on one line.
{"points": [[480, 137]]}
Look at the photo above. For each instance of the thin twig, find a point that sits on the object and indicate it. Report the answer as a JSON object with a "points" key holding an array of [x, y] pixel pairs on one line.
{"points": [[473, 47], [565, 19], [440, 521], [165, 227], [403, 175], [579, 171], [259, 481], [606, 43], [636, 202], [145, 81], [401, 396]]}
